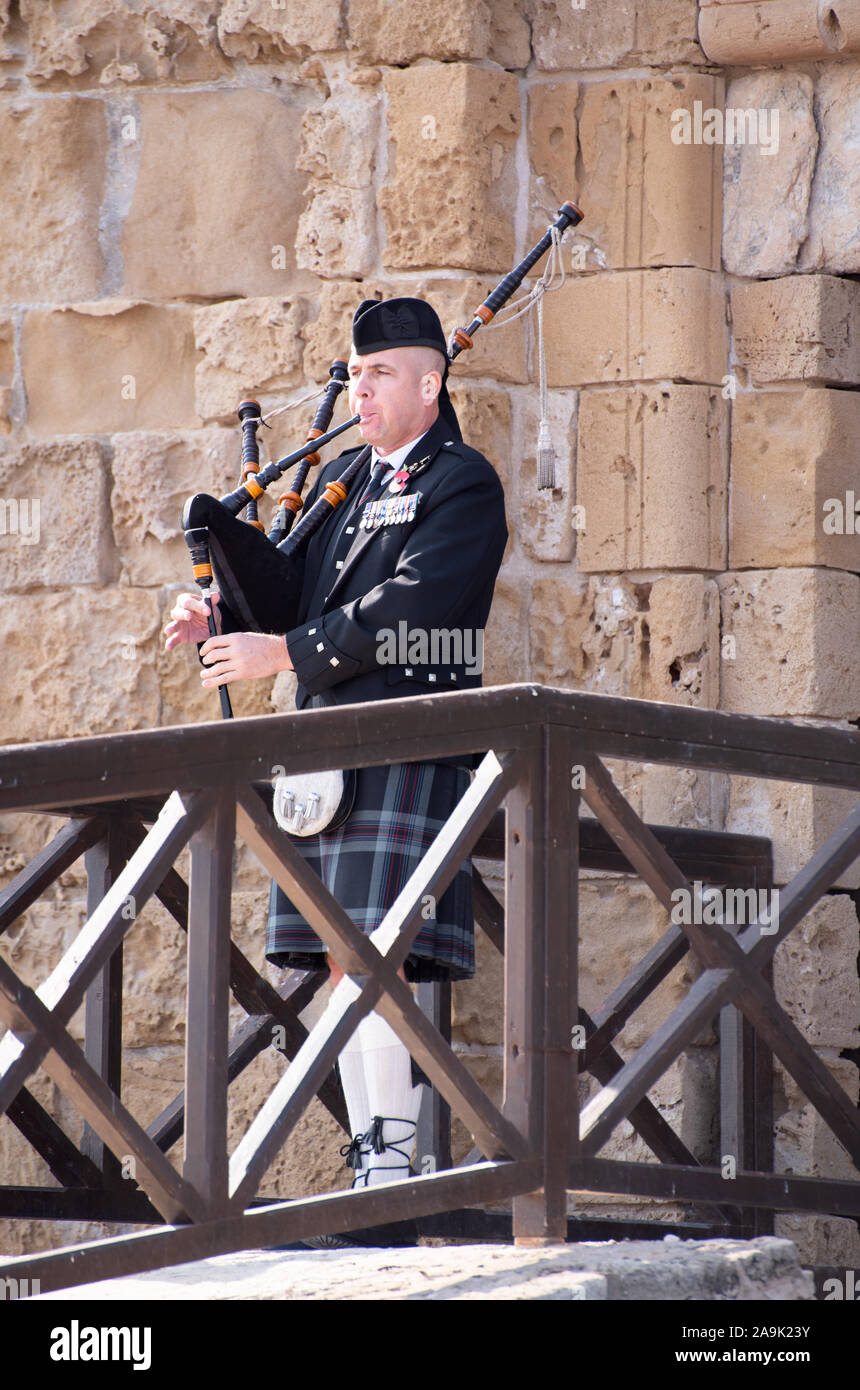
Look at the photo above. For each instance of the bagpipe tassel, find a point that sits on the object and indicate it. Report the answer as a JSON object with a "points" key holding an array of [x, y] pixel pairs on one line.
{"points": [[545, 451], [545, 457]]}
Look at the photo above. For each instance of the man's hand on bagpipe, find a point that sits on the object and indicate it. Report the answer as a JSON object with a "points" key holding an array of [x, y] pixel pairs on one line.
{"points": [[190, 619], [243, 656], [227, 657]]}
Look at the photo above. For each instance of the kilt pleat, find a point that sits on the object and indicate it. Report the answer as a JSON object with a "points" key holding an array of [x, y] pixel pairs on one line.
{"points": [[365, 864]]}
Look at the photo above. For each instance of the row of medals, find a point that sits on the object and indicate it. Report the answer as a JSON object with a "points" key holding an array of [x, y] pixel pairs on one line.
{"points": [[390, 511]]}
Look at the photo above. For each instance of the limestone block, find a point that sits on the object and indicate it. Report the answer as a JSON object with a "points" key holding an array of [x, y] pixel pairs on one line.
{"points": [[553, 139], [629, 33], [485, 423], [101, 42], [804, 1142], [221, 231], [499, 349], [796, 634], [153, 474], [449, 194], [510, 34], [506, 655], [768, 32], [815, 974], [795, 488], [337, 229], [154, 978], [393, 34], [656, 642], [284, 692], [684, 626], [685, 796], [328, 332], [478, 1005], [635, 325], [551, 519], [107, 367], [54, 519], [293, 29], [182, 697], [767, 184], [669, 215], [7, 348], [6, 50], [588, 634], [339, 138], [7, 369], [385, 32], [646, 458], [51, 186], [249, 347], [336, 232], [89, 668], [821, 1240], [799, 328], [22, 835], [833, 242], [797, 817], [839, 25]]}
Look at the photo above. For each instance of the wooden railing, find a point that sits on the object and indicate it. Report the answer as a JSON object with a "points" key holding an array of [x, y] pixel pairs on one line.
{"points": [[546, 750]]}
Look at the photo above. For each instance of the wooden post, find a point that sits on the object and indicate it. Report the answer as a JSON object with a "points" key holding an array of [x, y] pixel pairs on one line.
{"points": [[205, 1165], [434, 1121], [563, 1038], [541, 1010], [103, 999], [524, 1079]]}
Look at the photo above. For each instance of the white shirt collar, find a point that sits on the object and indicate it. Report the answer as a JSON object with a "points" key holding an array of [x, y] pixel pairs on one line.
{"points": [[397, 456]]}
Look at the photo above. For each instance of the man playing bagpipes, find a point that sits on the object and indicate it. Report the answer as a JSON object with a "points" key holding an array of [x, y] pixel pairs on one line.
{"points": [[414, 550]]}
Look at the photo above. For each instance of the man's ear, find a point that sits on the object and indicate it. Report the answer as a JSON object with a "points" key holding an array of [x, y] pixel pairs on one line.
{"points": [[431, 385]]}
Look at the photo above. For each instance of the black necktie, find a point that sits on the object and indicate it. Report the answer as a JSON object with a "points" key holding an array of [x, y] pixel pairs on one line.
{"points": [[376, 474]]}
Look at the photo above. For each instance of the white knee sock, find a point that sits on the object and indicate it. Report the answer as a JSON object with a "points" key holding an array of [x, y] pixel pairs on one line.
{"points": [[351, 1064], [393, 1101]]}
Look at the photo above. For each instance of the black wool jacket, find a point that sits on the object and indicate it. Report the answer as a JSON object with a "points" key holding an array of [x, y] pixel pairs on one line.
{"points": [[398, 608], [374, 594]]}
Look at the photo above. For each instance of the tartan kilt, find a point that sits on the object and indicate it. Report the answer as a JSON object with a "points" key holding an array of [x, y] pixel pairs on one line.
{"points": [[397, 814]]}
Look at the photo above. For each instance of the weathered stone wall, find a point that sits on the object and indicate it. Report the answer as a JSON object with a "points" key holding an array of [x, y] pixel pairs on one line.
{"points": [[194, 196]]}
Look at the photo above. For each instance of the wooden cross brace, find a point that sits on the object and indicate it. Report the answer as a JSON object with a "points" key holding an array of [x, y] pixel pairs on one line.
{"points": [[732, 972], [38, 1020], [371, 980]]}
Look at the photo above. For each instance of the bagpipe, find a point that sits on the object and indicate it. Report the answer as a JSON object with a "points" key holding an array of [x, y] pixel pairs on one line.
{"points": [[254, 572]]}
